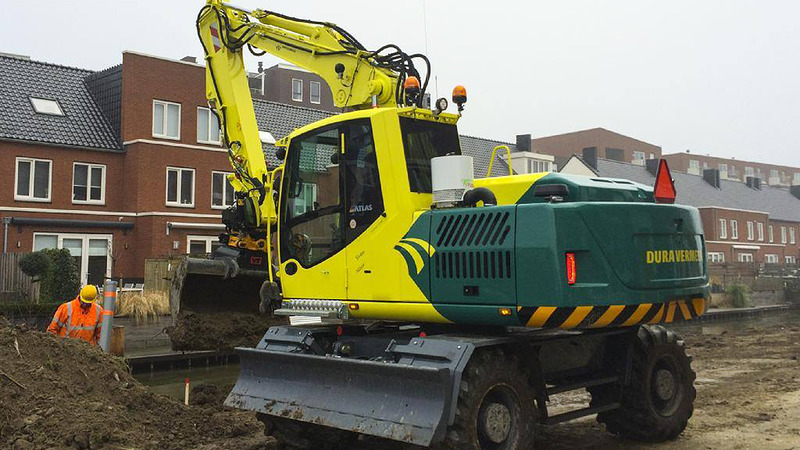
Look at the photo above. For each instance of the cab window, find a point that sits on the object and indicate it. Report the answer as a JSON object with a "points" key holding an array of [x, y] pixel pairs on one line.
{"points": [[424, 140]]}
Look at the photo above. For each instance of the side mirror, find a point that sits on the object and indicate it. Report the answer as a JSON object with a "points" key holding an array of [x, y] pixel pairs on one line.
{"points": [[335, 158]]}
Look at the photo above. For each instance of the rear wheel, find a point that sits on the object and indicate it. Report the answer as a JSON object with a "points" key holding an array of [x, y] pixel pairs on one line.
{"points": [[496, 405], [658, 402], [294, 435]]}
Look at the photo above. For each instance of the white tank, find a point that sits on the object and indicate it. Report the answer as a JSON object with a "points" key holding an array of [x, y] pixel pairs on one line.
{"points": [[451, 177]]}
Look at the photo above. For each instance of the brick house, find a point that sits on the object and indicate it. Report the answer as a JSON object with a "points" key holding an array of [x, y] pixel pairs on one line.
{"points": [[743, 222], [734, 169], [599, 142], [124, 164]]}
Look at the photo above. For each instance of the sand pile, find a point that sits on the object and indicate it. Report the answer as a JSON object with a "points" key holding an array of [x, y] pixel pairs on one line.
{"points": [[219, 331], [65, 393]]}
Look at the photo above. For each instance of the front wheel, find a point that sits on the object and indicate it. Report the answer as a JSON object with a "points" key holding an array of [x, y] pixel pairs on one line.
{"points": [[658, 402], [496, 405]]}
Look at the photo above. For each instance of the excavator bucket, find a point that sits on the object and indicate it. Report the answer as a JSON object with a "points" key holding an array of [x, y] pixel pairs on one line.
{"points": [[407, 400], [215, 305]]}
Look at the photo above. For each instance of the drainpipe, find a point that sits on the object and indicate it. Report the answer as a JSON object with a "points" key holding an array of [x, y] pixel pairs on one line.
{"points": [[109, 305], [6, 224]]}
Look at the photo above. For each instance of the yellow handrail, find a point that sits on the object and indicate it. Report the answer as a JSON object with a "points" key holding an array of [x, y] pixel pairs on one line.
{"points": [[494, 155]]}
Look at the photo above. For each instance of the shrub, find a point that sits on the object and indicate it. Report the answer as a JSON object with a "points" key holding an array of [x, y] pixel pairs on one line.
{"points": [[142, 307], [739, 294], [34, 265], [56, 270]]}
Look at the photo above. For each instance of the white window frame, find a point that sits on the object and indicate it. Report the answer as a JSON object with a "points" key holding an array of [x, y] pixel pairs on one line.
{"points": [[771, 258], [783, 235], [225, 184], [723, 229], [177, 203], [771, 234], [716, 257], [641, 154], [83, 270], [751, 232], [30, 197], [791, 235], [198, 238], [42, 108], [211, 118], [749, 171], [745, 257], [790, 259], [89, 201], [165, 120], [311, 92], [734, 229], [694, 164], [301, 90], [760, 227]]}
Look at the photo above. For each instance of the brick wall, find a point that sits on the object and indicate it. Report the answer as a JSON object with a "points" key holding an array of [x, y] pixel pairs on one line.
{"points": [[566, 145]]}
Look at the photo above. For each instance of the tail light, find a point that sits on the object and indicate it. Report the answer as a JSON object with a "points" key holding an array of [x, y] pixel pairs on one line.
{"points": [[664, 189], [572, 268]]}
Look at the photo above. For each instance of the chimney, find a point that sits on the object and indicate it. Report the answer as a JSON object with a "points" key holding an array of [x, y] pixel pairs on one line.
{"points": [[712, 177], [590, 157], [652, 165], [795, 190], [754, 183], [189, 59], [523, 142]]}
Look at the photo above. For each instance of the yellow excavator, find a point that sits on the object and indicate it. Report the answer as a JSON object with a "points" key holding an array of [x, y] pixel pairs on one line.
{"points": [[451, 309]]}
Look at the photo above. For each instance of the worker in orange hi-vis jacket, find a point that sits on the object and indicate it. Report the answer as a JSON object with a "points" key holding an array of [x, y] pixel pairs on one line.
{"points": [[79, 318]]}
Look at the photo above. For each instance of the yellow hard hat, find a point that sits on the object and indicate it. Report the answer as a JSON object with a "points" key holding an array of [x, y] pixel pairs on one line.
{"points": [[88, 293]]}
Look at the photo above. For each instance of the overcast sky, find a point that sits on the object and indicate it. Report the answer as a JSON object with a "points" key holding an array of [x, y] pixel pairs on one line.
{"points": [[717, 77]]}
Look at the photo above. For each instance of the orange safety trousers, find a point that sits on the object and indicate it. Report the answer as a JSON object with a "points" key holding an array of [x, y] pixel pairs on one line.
{"points": [[70, 320]]}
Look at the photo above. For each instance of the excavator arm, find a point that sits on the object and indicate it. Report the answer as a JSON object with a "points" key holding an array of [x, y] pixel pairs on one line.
{"points": [[358, 79]]}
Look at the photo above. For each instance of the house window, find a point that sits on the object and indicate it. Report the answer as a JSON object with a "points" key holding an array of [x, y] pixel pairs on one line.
{"points": [[652, 156], [723, 229], [694, 164], [716, 257], [749, 172], [771, 259], [745, 257], [723, 170], [166, 120], [314, 95], [796, 178], [201, 245], [750, 231], [615, 154], [297, 90], [791, 235], [305, 201], [638, 155], [46, 106], [180, 187], [732, 171], [771, 235], [33, 180], [783, 235], [88, 183], [760, 231], [221, 190], [92, 252], [791, 260], [734, 229], [207, 126], [773, 173], [537, 166]]}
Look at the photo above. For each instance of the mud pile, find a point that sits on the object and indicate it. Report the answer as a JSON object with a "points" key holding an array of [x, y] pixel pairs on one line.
{"points": [[65, 393], [219, 331]]}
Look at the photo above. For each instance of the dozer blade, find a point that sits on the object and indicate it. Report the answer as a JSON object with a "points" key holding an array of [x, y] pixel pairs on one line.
{"points": [[215, 306], [409, 400]]}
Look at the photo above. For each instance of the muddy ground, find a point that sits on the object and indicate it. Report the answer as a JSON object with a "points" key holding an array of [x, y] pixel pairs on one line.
{"points": [[748, 396], [219, 331]]}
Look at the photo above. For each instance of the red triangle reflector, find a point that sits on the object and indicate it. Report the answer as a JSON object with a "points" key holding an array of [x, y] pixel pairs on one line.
{"points": [[664, 190]]}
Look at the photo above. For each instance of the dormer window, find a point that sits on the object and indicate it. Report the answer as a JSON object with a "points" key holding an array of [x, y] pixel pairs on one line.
{"points": [[46, 106]]}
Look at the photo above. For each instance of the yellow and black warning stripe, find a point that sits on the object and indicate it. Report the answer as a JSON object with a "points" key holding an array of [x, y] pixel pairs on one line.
{"points": [[610, 316]]}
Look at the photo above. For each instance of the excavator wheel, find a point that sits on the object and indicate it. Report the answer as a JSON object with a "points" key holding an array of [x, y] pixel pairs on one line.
{"points": [[496, 405], [293, 435], [658, 402]]}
